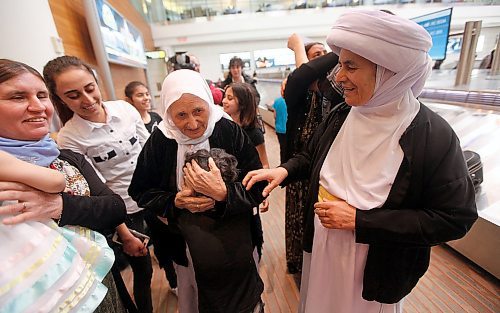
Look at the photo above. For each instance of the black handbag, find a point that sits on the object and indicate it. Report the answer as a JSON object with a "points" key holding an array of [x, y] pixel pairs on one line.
{"points": [[475, 167]]}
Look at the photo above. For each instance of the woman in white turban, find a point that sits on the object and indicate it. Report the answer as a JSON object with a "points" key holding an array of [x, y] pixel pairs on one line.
{"points": [[213, 216], [388, 177]]}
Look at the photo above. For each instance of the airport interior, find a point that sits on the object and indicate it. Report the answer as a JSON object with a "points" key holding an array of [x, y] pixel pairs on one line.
{"points": [[142, 40]]}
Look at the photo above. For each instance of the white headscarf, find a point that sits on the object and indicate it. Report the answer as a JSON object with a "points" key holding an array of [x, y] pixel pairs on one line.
{"points": [[174, 86], [365, 156]]}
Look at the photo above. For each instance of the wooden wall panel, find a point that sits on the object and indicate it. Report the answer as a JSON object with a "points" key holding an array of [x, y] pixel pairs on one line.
{"points": [[122, 75], [69, 17], [71, 25]]}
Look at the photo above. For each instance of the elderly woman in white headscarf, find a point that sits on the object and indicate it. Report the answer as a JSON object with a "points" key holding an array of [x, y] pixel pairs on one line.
{"points": [[215, 225], [388, 177]]}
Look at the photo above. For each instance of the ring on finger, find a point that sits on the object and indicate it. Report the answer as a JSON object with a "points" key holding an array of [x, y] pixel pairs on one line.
{"points": [[23, 209]]}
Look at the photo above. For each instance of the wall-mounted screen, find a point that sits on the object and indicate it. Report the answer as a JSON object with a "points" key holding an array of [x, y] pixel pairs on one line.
{"points": [[226, 57], [438, 26], [273, 57], [122, 41]]}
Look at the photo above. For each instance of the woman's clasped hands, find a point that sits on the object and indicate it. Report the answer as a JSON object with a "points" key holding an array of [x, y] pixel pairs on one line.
{"points": [[336, 214]]}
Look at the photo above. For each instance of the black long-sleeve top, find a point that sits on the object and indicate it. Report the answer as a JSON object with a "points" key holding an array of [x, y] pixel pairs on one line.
{"points": [[102, 211], [296, 94], [431, 201]]}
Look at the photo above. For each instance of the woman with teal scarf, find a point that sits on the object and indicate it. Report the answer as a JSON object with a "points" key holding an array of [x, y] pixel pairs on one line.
{"points": [[43, 265]]}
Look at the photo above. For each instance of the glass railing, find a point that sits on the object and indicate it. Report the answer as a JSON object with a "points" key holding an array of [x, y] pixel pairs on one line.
{"points": [[172, 11]]}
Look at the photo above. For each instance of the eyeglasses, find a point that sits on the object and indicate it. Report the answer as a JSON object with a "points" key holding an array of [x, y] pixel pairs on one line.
{"points": [[331, 78]]}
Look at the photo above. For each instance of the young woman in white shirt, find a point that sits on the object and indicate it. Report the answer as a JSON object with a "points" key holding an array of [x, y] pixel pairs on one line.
{"points": [[111, 135]]}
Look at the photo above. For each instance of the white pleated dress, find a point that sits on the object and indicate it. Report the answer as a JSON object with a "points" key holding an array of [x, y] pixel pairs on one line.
{"points": [[46, 268]]}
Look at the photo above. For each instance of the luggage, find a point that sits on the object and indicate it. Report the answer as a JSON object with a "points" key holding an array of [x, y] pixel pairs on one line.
{"points": [[475, 167]]}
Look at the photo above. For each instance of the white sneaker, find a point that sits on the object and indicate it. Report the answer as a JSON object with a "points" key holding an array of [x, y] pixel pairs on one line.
{"points": [[174, 291]]}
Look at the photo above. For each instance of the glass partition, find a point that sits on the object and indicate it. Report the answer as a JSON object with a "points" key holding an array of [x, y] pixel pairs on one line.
{"points": [[174, 11]]}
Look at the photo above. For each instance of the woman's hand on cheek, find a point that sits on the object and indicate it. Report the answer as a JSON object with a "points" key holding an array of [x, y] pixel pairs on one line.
{"points": [[208, 183]]}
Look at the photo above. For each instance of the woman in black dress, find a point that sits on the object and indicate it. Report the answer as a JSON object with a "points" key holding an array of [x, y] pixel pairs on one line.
{"points": [[217, 225]]}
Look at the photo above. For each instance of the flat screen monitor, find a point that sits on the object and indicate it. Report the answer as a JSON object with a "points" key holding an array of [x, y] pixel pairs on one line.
{"points": [[273, 57], [438, 26], [122, 41]]}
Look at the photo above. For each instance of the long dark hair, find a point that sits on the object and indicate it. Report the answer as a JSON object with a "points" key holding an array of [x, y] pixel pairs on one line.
{"points": [[130, 88], [56, 67], [246, 103], [10, 69]]}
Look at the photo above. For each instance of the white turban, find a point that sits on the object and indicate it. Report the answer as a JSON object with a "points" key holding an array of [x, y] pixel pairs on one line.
{"points": [[393, 42], [365, 156]]}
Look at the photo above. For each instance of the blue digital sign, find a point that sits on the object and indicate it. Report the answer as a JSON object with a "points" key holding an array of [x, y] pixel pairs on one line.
{"points": [[437, 25]]}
